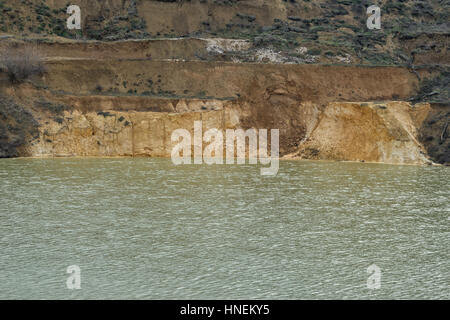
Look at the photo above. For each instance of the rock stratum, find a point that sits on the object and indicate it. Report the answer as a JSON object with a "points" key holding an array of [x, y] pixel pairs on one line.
{"points": [[230, 64], [385, 133]]}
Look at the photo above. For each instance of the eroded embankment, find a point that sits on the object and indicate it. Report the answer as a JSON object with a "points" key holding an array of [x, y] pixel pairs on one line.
{"points": [[375, 132], [151, 49], [390, 132], [269, 95], [130, 108], [113, 133], [317, 83]]}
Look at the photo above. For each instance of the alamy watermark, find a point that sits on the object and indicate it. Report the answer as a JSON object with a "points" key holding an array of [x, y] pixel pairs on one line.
{"points": [[374, 20], [73, 282], [234, 145], [74, 21], [374, 280]]}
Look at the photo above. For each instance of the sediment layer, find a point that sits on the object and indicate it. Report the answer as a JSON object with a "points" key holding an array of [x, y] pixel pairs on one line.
{"points": [[373, 132]]}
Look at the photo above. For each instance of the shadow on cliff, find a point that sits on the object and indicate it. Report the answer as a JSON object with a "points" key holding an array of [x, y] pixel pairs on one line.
{"points": [[435, 133], [18, 128]]}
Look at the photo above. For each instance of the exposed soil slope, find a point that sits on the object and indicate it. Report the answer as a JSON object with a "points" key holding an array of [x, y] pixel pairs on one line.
{"points": [[138, 69]]}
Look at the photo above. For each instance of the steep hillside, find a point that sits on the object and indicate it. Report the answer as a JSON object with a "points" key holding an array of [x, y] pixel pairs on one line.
{"points": [[331, 29], [414, 33], [312, 69]]}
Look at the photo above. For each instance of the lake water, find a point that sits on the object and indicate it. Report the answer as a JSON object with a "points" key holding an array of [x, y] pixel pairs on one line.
{"points": [[145, 229]]}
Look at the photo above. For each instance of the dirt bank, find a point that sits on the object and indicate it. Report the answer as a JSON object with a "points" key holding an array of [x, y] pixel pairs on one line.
{"points": [[389, 132]]}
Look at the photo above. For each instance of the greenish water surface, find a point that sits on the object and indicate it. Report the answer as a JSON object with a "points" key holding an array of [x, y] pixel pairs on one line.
{"points": [[146, 229]]}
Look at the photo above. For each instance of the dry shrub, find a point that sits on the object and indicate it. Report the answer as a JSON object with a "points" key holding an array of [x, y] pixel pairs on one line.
{"points": [[20, 63]]}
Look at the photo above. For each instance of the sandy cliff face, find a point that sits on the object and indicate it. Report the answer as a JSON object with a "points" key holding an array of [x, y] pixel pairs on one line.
{"points": [[313, 106], [372, 132], [126, 98], [116, 133]]}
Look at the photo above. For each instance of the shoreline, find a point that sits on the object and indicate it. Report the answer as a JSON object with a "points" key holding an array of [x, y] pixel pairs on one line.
{"points": [[282, 159]]}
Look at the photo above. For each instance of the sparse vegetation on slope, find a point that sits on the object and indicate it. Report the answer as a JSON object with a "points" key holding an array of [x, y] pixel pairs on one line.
{"points": [[21, 63], [179, 56], [336, 29]]}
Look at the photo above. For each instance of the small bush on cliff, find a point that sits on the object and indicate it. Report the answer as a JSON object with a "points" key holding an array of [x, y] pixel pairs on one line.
{"points": [[21, 63]]}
